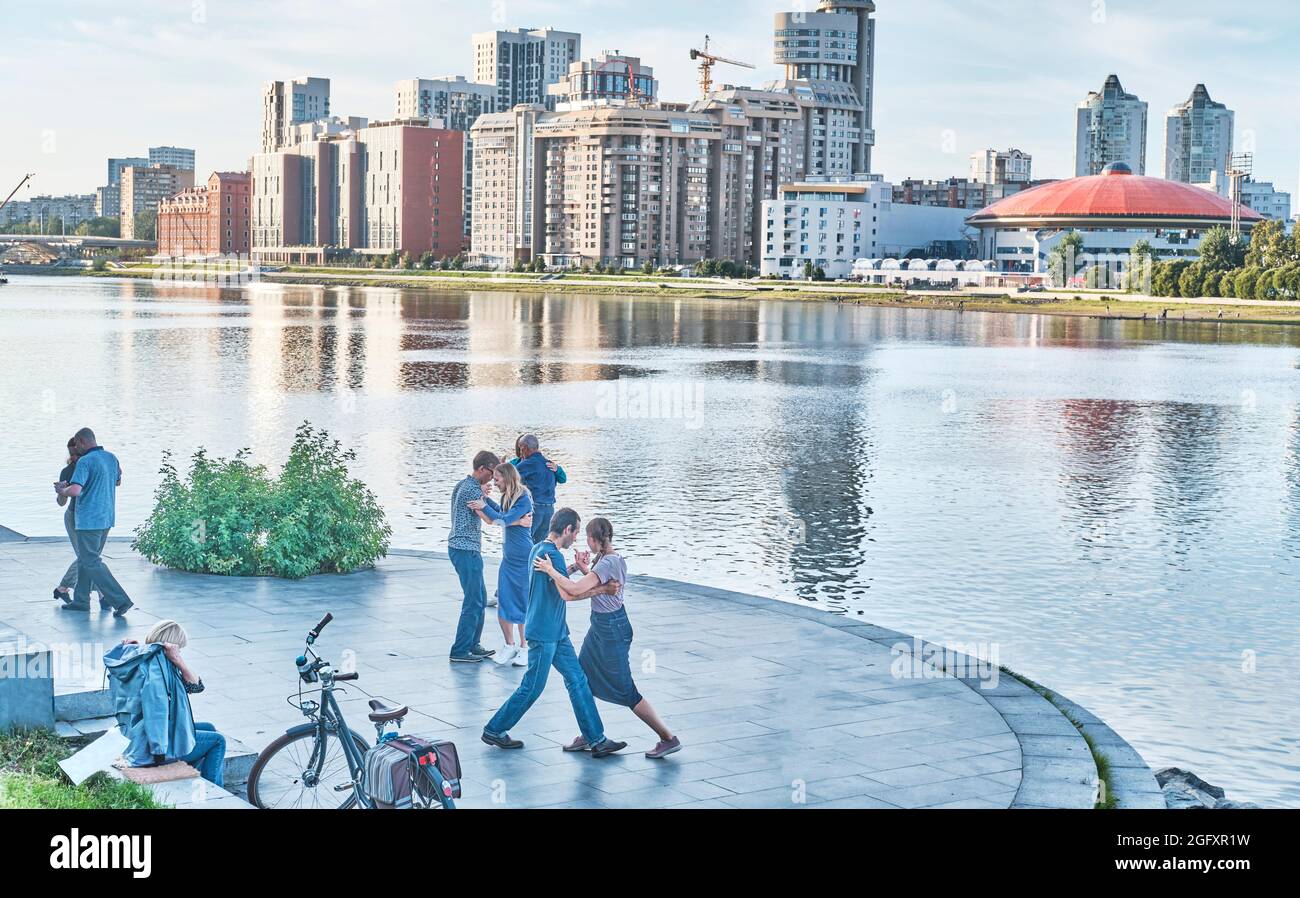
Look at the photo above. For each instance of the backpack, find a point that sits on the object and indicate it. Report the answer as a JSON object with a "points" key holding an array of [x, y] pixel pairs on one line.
{"points": [[400, 771]]}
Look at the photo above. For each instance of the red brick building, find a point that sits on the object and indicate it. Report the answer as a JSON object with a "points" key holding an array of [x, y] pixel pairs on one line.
{"points": [[208, 221]]}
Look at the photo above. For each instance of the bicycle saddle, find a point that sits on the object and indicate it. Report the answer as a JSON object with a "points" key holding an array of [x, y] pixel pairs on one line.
{"points": [[381, 713]]}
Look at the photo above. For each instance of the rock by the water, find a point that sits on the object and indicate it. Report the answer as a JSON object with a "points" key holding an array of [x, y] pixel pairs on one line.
{"points": [[1185, 790]]}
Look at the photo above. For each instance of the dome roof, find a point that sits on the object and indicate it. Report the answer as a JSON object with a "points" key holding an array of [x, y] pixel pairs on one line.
{"points": [[1115, 193]]}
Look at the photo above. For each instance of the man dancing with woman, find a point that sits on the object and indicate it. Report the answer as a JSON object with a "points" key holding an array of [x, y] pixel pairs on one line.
{"points": [[605, 649]]}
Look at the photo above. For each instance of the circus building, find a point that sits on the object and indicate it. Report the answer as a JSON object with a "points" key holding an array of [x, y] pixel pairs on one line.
{"points": [[1112, 211]]}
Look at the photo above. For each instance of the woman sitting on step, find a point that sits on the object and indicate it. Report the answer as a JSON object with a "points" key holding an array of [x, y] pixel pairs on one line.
{"points": [[152, 692]]}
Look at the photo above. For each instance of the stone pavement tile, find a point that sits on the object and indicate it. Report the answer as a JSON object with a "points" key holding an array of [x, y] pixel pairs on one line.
{"points": [[917, 775], [1041, 724], [996, 762], [932, 794]]}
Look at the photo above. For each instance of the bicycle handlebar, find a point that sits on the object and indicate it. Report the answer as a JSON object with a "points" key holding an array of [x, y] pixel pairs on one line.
{"points": [[346, 676], [315, 631]]}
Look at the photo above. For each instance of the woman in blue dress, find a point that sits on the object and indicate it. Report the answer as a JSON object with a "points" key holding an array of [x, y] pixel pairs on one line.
{"points": [[515, 515]]}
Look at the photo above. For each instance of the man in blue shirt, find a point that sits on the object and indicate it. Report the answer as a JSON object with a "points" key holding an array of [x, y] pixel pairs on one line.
{"points": [[94, 485], [547, 630], [540, 475], [465, 549]]}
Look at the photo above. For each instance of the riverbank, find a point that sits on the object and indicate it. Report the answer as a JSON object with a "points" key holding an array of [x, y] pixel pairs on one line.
{"points": [[1080, 304]]}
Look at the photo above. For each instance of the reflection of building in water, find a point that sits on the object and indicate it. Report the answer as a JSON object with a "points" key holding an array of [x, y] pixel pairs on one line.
{"points": [[1101, 439], [822, 534], [1187, 456]]}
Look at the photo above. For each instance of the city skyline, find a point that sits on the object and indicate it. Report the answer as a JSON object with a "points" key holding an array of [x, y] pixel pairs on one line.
{"points": [[1013, 79]]}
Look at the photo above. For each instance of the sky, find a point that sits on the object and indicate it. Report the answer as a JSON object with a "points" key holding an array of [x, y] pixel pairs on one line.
{"points": [[83, 80]]}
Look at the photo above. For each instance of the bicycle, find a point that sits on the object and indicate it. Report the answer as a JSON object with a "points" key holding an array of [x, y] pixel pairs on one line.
{"points": [[321, 764]]}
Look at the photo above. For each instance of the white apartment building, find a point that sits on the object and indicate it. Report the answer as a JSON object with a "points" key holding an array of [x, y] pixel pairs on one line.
{"points": [[177, 157], [829, 60], [1198, 139], [1265, 199], [288, 103], [1110, 127], [1001, 166], [833, 223], [609, 79], [522, 64]]}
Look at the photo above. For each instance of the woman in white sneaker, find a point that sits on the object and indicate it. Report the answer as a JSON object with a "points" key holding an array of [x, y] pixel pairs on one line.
{"points": [[515, 515], [605, 649]]}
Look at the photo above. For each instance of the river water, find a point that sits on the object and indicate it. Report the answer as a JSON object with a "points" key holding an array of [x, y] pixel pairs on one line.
{"points": [[1109, 507]]}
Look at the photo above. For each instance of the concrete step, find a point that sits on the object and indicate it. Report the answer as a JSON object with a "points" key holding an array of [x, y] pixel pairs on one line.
{"points": [[239, 758], [192, 794], [80, 703]]}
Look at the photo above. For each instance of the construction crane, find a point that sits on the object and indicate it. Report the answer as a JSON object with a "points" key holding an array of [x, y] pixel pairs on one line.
{"points": [[707, 61], [25, 179]]}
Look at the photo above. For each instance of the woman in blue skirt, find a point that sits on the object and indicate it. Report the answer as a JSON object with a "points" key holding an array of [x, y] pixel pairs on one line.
{"points": [[515, 515], [605, 649]]}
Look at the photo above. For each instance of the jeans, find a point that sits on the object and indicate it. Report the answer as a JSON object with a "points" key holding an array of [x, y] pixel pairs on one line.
{"points": [[69, 580], [542, 522], [469, 568], [91, 571], [209, 754], [541, 656]]}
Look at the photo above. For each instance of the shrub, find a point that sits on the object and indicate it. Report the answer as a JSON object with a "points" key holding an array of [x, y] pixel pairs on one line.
{"points": [[1244, 284], [1227, 284], [230, 517]]}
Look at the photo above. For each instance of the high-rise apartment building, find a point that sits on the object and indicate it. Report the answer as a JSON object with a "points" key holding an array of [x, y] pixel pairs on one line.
{"points": [[454, 103], [178, 157], [288, 103], [829, 59], [144, 187], [624, 185], [1001, 167], [115, 167], [1110, 126], [1198, 139], [210, 220], [523, 64], [388, 187]]}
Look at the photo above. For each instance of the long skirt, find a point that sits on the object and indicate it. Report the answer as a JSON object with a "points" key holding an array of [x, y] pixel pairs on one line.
{"points": [[604, 658]]}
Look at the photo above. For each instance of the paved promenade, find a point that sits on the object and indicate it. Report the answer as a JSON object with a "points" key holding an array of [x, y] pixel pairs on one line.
{"points": [[777, 705]]}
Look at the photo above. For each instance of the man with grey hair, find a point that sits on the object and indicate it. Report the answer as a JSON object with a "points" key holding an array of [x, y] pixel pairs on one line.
{"points": [[94, 485], [540, 475]]}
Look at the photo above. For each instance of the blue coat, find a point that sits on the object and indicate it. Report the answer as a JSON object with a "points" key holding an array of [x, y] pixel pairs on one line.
{"points": [[150, 703]]}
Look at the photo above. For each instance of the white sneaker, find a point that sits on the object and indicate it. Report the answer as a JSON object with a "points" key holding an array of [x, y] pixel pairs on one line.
{"points": [[504, 655], [520, 658], [492, 600]]}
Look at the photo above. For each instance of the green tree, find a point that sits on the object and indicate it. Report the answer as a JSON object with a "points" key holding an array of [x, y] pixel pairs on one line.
{"points": [[1244, 284], [1138, 270], [1210, 287], [146, 225], [105, 226], [1219, 251], [1062, 261], [1191, 281], [1228, 284], [1269, 246]]}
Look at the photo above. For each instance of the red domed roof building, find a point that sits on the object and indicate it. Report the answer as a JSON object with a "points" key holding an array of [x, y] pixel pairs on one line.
{"points": [[1112, 211]]}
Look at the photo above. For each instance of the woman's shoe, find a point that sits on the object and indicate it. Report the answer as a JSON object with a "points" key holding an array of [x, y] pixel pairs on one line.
{"points": [[61, 596], [663, 749], [521, 658], [503, 657]]}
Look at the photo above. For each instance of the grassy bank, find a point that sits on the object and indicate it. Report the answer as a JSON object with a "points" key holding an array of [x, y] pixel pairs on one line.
{"points": [[1085, 304], [30, 777]]}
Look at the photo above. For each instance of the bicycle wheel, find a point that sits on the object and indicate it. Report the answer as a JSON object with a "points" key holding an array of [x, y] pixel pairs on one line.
{"points": [[295, 771]]}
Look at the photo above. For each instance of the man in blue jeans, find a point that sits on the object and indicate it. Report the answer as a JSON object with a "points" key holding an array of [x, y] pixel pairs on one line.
{"points": [[465, 548], [547, 630], [94, 486]]}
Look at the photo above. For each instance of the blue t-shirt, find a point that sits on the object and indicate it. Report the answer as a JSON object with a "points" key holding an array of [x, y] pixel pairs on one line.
{"points": [[539, 479], [547, 620], [97, 473]]}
